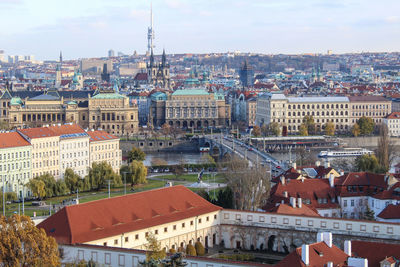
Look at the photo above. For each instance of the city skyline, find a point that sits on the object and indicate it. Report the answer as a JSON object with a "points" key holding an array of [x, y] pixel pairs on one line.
{"points": [[91, 28]]}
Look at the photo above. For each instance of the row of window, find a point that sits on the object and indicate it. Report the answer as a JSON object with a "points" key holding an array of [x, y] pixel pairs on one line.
{"points": [[103, 147], [15, 177], [74, 155], [46, 163], [45, 145], [76, 163], [39, 155], [14, 166], [14, 155], [74, 145], [312, 106]]}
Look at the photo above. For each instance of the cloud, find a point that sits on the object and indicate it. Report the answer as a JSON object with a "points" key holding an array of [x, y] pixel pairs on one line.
{"points": [[392, 19]]}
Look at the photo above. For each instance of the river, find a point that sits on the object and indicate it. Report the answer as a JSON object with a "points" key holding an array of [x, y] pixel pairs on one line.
{"points": [[173, 157]]}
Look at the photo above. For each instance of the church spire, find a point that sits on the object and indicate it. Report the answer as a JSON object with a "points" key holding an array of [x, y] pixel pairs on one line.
{"points": [[151, 58], [164, 58], [60, 56]]}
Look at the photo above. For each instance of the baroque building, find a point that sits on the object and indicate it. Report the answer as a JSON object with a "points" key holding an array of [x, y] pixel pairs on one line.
{"points": [[108, 110], [190, 108]]}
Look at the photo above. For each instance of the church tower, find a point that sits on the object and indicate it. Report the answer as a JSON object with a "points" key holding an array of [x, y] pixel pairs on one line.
{"points": [[57, 83]]}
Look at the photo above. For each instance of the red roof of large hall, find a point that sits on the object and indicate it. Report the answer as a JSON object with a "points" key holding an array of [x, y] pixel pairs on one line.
{"points": [[39, 132], [109, 217], [100, 136], [66, 129]]}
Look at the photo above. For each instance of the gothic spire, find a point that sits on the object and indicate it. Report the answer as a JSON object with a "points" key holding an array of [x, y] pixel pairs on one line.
{"points": [[164, 58], [60, 56], [151, 58]]}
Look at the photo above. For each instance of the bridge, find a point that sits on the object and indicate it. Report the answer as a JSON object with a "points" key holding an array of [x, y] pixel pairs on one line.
{"points": [[294, 142], [222, 146]]}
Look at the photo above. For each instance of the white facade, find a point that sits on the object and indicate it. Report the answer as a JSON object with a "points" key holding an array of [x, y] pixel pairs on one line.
{"points": [[105, 150], [393, 125], [45, 156], [74, 153], [171, 235]]}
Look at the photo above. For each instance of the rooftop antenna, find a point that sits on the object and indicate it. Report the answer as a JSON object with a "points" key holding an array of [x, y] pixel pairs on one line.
{"points": [[150, 31]]}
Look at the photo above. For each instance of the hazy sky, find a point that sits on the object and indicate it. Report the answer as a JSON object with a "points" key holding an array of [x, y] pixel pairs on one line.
{"points": [[89, 28]]}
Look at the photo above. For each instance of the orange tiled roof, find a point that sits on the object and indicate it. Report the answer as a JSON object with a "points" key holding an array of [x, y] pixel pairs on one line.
{"points": [[289, 210], [319, 255], [12, 139], [109, 217], [38, 132], [100, 136], [390, 212], [375, 252], [66, 129]]}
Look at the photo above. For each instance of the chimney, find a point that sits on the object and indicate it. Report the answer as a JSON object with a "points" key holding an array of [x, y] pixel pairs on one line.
{"points": [[283, 180], [299, 202], [341, 172], [331, 180], [317, 163], [327, 238], [294, 165], [305, 256], [326, 164], [293, 202], [285, 194], [329, 264], [357, 262], [347, 247], [320, 236]]}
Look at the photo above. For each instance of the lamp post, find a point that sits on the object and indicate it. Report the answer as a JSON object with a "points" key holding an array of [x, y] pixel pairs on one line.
{"points": [[124, 183], [109, 193]]}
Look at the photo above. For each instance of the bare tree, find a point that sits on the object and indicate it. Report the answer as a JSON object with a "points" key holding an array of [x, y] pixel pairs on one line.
{"points": [[250, 185], [386, 151]]}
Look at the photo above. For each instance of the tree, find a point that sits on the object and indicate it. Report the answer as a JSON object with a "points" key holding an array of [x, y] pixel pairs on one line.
{"points": [[367, 163], [310, 124], [166, 129], [23, 244], [37, 187], [136, 154], [99, 173], [153, 249], [304, 158], [49, 184], [61, 188], [176, 131], [366, 125], [200, 251], [303, 131], [71, 180], [225, 198], [386, 151], [356, 130], [256, 131], [190, 250], [330, 128], [274, 128], [138, 172], [245, 181], [369, 214], [177, 170]]}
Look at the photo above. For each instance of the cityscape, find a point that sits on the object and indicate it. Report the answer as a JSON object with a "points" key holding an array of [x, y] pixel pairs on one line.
{"points": [[206, 137]]}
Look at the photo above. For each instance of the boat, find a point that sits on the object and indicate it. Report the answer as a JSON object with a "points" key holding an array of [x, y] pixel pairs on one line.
{"points": [[204, 149], [347, 152]]}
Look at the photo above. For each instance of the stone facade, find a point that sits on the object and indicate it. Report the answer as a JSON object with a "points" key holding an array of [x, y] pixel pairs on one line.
{"points": [[196, 108], [107, 110]]}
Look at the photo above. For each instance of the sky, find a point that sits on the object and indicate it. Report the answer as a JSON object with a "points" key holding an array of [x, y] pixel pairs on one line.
{"points": [[89, 28]]}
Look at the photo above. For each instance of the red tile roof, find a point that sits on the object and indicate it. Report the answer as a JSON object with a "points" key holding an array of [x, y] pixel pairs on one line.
{"points": [[319, 255], [109, 217], [367, 98], [12, 139], [39, 132], [66, 129], [390, 212], [289, 210], [393, 115], [375, 252], [100, 136]]}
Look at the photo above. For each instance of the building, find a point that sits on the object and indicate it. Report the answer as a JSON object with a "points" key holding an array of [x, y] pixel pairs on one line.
{"points": [[157, 109], [158, 73], [342, 111], [289, 112], [104, 147], [197, 108], [375, 107], [111, 112], [108, 110], [15, 162], [74, 148], [251, 111], [45, 150], [176, 215], [392, 121], [246, 74]]}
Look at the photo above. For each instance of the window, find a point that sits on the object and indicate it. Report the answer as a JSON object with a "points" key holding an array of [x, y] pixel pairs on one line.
{"points": [[156, 232], [174, 227], [121, 260], [183, 225], [115, 241], [207, 218], [105, 244], [107, 258], [136, 236], [126, 239], [146, 234], [344, 203], [165, 229], [191, 223], [215, 216], [200, 220], [352, 203]]}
